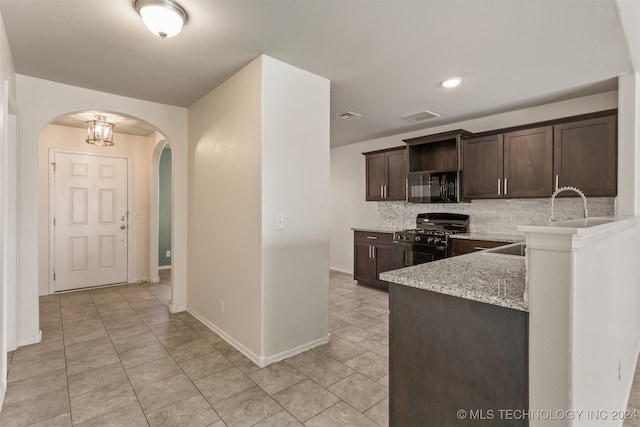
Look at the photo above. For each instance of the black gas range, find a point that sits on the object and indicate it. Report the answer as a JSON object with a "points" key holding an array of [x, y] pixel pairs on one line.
{"points": [[429, 241]]}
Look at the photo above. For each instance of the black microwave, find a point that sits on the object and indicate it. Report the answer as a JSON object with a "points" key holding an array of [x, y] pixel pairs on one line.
{"points": [[433, 187]]}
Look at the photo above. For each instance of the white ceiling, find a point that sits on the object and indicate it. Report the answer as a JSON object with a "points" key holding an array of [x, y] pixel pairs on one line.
{"points": [[385, 58]]}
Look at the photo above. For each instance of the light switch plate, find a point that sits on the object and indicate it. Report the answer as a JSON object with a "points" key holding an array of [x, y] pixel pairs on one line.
{"points": [[279, 222]]}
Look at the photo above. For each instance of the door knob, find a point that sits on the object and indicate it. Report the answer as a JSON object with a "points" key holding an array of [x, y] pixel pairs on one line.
{"points": [[123, 227]]}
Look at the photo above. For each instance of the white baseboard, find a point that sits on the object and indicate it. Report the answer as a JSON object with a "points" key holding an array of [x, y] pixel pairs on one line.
{"points": [[31, 340], [261, 361], [176, 309], [341, 270], [141, 280], [237, 345], [155, 280], [296, 350], [3, 391], [164, 267]]}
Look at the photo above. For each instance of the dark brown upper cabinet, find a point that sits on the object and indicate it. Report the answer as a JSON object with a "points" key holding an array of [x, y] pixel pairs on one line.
{"points": [[386, 174], [483, 167], [436, 153], [528, 160], [510, 165], [586, 157]]}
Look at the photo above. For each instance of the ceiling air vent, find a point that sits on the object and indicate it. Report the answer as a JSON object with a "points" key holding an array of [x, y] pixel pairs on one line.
{"points": [[420, 115], [348, 115]]}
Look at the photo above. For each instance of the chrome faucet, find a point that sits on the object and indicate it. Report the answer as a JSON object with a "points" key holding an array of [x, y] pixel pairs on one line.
{"points": [[560, 190]]}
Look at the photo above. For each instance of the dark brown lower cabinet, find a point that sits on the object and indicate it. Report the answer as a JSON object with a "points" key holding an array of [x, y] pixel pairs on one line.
{"points": [[455, 362], [375, 253], [468, 246]]}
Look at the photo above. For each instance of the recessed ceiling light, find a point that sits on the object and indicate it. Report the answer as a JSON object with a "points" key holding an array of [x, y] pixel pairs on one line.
{"points": [[452, 82]]}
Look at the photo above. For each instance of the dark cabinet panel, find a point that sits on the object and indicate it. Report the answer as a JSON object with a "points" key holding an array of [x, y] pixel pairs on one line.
{"points": [[364, 265], [528, 160], [396, 175], [448, 353], [375, 253], [388, 257], [585, 156], [483, 167], [512, 165], [386, 174], [467, 246], [376, 176]]}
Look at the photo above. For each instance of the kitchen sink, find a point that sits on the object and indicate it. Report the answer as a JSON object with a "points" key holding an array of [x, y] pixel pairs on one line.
{"points": [[516, 249]]}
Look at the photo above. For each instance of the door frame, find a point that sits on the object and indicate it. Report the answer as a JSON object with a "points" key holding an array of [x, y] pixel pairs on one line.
{"points": [[130, 223], [154, 244]]}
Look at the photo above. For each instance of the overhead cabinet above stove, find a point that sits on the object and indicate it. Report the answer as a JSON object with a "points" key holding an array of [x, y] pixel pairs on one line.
{"points": [[441, 152]]}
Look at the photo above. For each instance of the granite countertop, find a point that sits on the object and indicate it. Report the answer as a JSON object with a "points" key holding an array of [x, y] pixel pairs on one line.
{"points": [[377, 229], [489, 278], [492, 237]]}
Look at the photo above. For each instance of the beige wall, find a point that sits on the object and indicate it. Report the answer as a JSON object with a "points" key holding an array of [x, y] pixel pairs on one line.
{"points": [[8, 217], [295, 184], [259, 146], [225, 261], [139, 149], [40, 102], [348, 208]]}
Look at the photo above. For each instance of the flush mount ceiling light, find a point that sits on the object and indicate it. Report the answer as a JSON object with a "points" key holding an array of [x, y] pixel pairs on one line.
{"points": [[164, 18], [99, 132], [452, 82]]}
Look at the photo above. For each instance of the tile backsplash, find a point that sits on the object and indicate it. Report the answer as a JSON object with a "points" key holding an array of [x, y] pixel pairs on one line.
{"points": [[495, 216]]}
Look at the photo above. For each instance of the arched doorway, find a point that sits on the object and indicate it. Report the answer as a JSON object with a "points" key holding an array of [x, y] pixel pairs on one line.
{"points": [[134, 140], [161, 212]]}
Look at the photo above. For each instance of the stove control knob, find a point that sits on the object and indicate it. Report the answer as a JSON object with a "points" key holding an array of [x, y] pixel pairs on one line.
{"points": [[417, 238], [431, 239]]}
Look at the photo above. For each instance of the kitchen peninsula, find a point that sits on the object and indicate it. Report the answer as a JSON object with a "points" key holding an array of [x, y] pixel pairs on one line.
{"points": [[463, 322], [462, 337]]}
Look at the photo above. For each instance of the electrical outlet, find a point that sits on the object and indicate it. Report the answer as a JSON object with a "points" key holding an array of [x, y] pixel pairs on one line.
{"points": [[168, 254], [221, 306], [279, 222]]}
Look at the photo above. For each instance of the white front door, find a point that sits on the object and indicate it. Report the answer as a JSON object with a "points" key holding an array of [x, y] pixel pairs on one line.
{"points": [[90, 216]]}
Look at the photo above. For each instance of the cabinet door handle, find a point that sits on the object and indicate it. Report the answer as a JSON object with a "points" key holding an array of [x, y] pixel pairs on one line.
{"points": [[386, 191], [373, 251], [479, 248], [499, 186], [557, 181], [406, 190], [505, 187], [382, 191], [369, 251], [372, 237]]}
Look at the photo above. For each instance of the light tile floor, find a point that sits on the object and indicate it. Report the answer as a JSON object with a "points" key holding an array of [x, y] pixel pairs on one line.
{"points": [[117, 357]]}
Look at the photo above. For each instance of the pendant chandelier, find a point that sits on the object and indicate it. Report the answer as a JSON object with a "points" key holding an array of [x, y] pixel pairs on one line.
{"points": [[99, 132]]}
